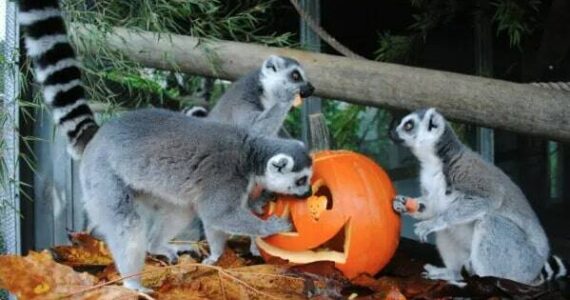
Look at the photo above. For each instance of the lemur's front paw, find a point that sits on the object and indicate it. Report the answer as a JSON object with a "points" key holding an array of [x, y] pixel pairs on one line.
{"points": [[399, 204], [194, 248], [403, 204], [424, 228], [210, 260], [275, 225], [258, 205]]}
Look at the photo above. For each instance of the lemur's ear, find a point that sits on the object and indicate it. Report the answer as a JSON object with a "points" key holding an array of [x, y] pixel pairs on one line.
{"points": [[302, 144], [272, 63], [435, 119], [197, 111], [280, 163]]}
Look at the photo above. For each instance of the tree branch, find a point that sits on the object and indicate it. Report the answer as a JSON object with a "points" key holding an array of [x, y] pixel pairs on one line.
{"points": [[488, 102]]}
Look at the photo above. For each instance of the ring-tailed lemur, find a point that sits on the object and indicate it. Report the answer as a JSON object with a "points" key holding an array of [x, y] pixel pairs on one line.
{"points": [[261, 99], [146, 173], [481, 219], [253, 98]]}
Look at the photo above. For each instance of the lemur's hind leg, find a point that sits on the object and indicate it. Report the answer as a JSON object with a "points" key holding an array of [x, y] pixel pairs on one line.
{"points": [[112, 207], [167, 222], [501, 249], [454, 258], [216, 242]]}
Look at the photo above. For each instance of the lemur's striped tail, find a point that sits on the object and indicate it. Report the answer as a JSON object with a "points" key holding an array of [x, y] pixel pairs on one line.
{"points": [[554, 268], [57, 70]]}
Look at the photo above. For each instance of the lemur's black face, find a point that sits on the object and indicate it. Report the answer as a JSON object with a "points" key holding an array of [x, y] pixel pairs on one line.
{"points": [[306, 89], [287, 175], [282, 73], [421, 128], [297, 77]]}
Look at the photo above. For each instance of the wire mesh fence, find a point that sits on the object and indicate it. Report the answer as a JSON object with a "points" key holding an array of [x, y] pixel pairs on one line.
{"points": [[9, 209]]}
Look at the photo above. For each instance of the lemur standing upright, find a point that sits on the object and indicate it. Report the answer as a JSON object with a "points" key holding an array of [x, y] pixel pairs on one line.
{"points": [[252, 99], [481, 219], [146, 173]]}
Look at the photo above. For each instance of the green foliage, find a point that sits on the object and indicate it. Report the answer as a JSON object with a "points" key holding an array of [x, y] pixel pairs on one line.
{"points": [[430, 14], [394, 48], [433, 13], [343, 121], [112, 77], [352, 127], [293, 123], [516, 18]]}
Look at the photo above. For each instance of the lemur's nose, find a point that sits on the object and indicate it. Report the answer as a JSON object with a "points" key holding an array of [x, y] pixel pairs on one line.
{"points": [[305, 195], [307, 90]]}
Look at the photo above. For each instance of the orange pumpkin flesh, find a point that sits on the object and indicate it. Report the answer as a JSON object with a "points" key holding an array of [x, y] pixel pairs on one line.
{"points": [[348, 220]]}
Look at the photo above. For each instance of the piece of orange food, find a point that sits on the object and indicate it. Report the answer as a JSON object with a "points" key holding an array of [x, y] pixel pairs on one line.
{"points": [[297, 101], [412, 205]]}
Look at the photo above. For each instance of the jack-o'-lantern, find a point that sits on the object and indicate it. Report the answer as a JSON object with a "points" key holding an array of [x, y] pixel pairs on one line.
{"points": [[348, 220]]}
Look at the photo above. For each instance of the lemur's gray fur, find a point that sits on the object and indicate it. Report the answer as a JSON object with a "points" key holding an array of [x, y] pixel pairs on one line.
{"points": [[146, 173], [252, 99], [262, 100], [481, 219], [176, 167]]}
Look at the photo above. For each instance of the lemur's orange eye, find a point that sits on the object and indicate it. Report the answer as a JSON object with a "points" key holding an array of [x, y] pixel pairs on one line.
{"points": [[296, 76], [409, 125]]}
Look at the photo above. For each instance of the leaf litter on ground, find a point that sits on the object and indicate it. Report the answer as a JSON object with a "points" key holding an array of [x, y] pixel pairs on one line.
{"points": [[85, 270]]}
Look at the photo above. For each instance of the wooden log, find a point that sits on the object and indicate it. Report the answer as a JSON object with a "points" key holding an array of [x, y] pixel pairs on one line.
{"points": [[487, 102], [320, 136]]}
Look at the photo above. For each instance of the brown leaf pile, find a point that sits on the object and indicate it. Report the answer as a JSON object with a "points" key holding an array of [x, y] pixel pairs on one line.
{"points": [[85, 251], [37, 276], [60, 274]]}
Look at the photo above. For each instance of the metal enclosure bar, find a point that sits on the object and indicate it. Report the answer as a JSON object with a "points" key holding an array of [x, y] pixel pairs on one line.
{"points": [[310, 41]]}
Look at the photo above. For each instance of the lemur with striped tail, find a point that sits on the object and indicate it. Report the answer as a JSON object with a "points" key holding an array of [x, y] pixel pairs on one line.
{"points": [[147, 173], [482, 221]]}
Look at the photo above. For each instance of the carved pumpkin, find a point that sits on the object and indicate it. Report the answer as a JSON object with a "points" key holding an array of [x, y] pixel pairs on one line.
{"points": [[349, 219]]}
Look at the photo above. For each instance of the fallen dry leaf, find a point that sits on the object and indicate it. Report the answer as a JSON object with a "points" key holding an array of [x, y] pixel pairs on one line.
{"points": [[38, 276], [85, 251], [251, 282], [237, 276], [230, 260]]}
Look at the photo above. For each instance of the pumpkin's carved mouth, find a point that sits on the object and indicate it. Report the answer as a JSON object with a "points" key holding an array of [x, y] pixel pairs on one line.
{"points": [[335, 249]]}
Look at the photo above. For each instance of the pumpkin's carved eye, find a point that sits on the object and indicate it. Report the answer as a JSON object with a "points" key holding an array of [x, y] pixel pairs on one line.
{"points": [[323, 190]]}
